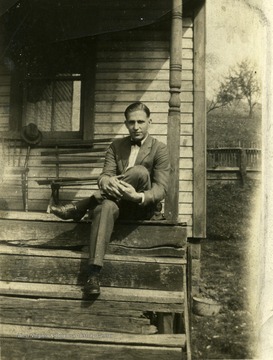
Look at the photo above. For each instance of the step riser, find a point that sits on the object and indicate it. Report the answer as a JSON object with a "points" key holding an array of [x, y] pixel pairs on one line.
{"points": [[57, 270], [68, 234], [74, 314], [53, 350]]}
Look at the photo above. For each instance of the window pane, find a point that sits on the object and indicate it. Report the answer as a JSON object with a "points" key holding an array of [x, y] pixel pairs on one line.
{"points": [[54, 105]]}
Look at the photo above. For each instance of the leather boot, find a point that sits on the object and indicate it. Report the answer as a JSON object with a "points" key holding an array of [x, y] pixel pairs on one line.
{"points": [[92, 285], [66, 212]]}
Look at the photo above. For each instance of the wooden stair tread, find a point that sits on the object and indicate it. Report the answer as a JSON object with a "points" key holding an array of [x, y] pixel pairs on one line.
{"points": [[43, 290], [43, 216], [38, 332], [13, 250]]}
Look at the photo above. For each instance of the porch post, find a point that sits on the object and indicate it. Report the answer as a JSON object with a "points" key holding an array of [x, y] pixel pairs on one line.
{"points": [[173, 136]]}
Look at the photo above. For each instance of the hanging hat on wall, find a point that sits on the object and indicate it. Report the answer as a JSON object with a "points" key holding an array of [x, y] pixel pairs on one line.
{"points": [[31, 134]]}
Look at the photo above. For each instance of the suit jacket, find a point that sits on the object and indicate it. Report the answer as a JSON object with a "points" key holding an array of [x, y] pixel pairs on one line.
{"points": [[152, 154]]}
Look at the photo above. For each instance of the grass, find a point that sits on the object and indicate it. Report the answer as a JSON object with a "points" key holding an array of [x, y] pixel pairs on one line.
{"points": [[224, 267], [230, 334], [231, 126], [228, 208]]}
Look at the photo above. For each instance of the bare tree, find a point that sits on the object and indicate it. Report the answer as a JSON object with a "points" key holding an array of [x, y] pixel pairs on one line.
{"points": [[241, 83], [247, 83], [225, 96]]}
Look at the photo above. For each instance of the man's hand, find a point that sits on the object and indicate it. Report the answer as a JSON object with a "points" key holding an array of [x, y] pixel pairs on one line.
{"points": [[115, 187], [112, 186], [129, 192]]}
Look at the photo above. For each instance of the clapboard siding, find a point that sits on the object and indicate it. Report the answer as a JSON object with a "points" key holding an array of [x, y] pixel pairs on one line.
{"points": [[11, 186], [4, 98], [138, 69], [130, 66]]}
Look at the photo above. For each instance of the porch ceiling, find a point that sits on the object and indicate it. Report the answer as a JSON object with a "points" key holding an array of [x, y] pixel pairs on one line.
{"points": [[29, 24], [51, 21]]}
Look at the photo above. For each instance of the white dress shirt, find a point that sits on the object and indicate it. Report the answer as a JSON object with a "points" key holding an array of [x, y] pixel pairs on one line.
{"points": [[132, 160], [133, 154]]}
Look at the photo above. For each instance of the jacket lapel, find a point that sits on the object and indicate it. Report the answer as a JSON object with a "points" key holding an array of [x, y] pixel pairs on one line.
{"points": [[144, 150], [125, 152]]}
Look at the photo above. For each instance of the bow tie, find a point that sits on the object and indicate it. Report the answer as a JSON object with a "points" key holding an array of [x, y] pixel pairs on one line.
{"points": [[136, 142]]}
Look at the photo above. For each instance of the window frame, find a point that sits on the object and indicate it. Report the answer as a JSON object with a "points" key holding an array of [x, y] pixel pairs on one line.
{"points": [[70, 135], [87, 73]]}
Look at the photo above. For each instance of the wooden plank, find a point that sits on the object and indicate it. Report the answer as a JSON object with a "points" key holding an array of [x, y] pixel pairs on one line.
{"points": [[186, 175], [186, 185], [122, 52], [138, 44], [121, 129], [54, 231], [187, 207], [73, 314], [157, 251], [120, 106], [166, 323], [88, 96], [4, 89], [136, 299], [199, 215], [56, 350], [37, 332], [135, 60], [115, 272], [140, 75], [158, 118], [186, 197], [185, 163], [163, 96], [72, 254], [186, 119], [4, 99], [156, 85], [16, 215], [73, 161], [186, 152]]}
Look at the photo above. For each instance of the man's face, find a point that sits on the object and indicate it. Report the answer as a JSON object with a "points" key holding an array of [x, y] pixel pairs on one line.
{"points": [[138, 124]]}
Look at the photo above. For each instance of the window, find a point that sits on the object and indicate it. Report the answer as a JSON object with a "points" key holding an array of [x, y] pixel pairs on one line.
{"points": [[54, 105], [54, 87]]}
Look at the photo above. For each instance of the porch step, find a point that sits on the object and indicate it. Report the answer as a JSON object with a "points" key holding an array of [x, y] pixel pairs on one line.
{"points": [[134, 299], [74, 314], [45, 315], [37, 342], [146, 238], [70, 267]]}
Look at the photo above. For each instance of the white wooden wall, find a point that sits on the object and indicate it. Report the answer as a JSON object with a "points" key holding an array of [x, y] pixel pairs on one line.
{"points": [[132, 70], [128, 69]]}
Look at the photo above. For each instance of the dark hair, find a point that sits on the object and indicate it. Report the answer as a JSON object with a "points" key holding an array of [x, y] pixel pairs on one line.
{"points": [[138, 105]]}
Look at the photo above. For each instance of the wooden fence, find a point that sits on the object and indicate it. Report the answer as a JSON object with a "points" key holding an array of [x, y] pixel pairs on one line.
{"points": [[233, 163]]}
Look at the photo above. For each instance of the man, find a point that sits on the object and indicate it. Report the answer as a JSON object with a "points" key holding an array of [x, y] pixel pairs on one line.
{"points": [[133, 182]]}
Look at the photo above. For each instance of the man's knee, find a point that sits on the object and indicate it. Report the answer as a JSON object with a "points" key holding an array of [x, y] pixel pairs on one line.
{"points": [[139, 172], [107, 206], [139, 177]]}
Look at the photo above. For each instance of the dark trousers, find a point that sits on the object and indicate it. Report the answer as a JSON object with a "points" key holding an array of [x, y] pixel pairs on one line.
{"points": [[107, 211]]}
